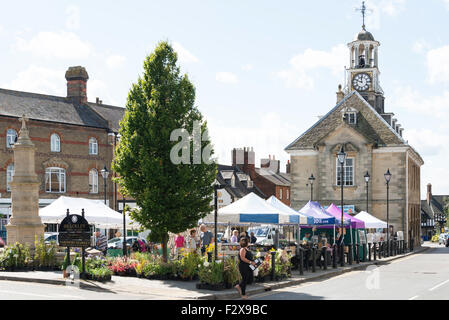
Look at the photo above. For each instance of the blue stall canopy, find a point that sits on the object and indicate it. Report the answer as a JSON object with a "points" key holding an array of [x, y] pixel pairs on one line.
{"points": [[318, 214]]}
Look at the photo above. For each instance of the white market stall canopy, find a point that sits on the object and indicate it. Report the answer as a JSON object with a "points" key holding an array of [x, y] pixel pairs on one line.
{"points": [[371, 222], [95, 212], [252, 209], [294, 216]]}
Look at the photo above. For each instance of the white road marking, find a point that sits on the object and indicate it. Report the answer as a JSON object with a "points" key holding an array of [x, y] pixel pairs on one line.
{"points": [[439, 285], [413, 298]]}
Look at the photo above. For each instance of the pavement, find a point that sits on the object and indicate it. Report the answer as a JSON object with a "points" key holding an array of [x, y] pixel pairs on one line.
{"points": [[164, 290]]}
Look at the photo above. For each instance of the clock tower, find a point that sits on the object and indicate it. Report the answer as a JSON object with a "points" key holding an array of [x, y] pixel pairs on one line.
{"points": [[363, 72]]}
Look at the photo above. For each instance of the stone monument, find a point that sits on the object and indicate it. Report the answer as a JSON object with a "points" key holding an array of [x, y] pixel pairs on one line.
{"points": [[25, 222]]}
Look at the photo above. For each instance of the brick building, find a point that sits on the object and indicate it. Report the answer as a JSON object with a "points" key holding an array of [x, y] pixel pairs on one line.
{"points": [[74, 141], [267, 178], [373, 141]]}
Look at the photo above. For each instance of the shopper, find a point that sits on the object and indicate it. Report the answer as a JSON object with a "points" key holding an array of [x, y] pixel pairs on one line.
{"points": [[253, 238], [192, 243], [245, 260], [235, 236], [179, 244], [206, 238]]}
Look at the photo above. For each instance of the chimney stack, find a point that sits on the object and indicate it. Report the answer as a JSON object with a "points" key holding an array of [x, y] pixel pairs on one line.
{"points": [[429, 193], [77, 84], [340, 94], [287, 169], [245, 159]]}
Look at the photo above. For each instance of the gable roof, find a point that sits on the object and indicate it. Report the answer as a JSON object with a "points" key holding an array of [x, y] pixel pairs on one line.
{"points": [[372, 125], [240, 190], [58, 109], [275, 178], [436, 206]]}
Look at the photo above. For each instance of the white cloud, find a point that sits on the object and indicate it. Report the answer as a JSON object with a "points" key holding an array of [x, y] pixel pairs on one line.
{"points": [[300, 73], [73, 17], [247, 67], [438, 65], [39, 80], [115, 61], [226, 77], [61, 45], [409, 99], [98, 88], [380, 8], [420, 46], [446, 2], [184, 55], [427, 142]]}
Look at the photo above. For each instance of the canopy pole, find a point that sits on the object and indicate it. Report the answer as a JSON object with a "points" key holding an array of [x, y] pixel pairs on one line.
{"points": [[334, 235], [350, 231]]}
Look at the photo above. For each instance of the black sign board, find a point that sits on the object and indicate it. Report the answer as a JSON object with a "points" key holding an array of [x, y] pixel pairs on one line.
{"points": [[74, 232]]}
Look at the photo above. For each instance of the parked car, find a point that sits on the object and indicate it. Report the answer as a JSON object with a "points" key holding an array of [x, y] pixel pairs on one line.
{"points": [[51, 237], [442, 239], [117, 243]]}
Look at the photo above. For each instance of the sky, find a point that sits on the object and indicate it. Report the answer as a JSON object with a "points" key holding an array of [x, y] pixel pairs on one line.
{"points": [[264, 71]]}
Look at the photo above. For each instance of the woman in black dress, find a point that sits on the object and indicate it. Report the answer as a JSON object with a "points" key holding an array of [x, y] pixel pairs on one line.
{"points": [[245, 259]]}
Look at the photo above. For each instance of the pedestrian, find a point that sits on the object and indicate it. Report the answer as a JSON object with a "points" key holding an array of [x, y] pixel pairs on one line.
{"points": [[2, 243], [102, 243], [179, 244], [253, 238], [245, 260], [193, 241], [206, 238], [235, 236]]}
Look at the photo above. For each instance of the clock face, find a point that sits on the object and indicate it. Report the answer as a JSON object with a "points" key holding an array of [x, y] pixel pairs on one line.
{"points": [[361, 82]]}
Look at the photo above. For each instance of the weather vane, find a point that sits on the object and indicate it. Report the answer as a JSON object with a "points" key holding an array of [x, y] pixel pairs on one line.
{"points": [[364, 11]]}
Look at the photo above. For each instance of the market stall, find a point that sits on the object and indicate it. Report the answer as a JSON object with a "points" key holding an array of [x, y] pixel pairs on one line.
{"points": [[370, 221]]}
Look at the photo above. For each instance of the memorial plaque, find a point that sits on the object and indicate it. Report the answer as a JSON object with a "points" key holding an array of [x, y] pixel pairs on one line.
{"points": [[74, 232]]}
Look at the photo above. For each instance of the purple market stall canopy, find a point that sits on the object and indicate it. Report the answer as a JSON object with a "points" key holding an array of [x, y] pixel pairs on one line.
{"points": [[319, 215], [336, 212]]}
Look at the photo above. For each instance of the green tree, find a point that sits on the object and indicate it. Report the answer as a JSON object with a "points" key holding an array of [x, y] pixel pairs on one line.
{"points": [[172, 196]]}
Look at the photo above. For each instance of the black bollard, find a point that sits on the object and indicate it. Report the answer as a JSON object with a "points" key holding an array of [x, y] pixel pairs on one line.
{"points": [[375, 251], [313, 259], [357, 253], [273, 265], [369, 252], [334, 256], [324, 250], [342, 255], [350, 258]]}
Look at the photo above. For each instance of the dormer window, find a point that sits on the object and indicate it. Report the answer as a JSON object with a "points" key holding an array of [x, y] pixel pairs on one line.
{"points": [[351, 117]]}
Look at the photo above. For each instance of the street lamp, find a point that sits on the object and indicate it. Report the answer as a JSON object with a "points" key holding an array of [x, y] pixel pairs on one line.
{"points": [[311, 180], [105, 174], [342, 159], [217, 186], [125, 247], [387, 176], [367, 178]]}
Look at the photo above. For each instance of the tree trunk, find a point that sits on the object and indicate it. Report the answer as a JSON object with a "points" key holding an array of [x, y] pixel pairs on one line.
{"points": [[164, 247]]}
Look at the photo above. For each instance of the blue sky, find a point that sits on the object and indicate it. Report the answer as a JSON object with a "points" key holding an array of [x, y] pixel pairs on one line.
{"points": [[264, 70]]}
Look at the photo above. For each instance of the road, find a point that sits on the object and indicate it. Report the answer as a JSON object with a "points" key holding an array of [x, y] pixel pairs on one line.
{"points": [[12, 290], [423, 276]]}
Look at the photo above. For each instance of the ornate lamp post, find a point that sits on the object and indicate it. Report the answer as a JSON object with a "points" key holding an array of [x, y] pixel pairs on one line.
{"points": [[105, 174], [342, 159], [311, 180], [217, 186], [367, 178], [387, 176]]}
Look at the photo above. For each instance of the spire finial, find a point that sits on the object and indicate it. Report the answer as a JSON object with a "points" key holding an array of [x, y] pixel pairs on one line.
{"points": [[363, 10]]}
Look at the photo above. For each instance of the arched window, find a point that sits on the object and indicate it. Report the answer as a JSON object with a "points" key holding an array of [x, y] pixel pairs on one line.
{"points": [[55, 180], [55, 142], [11, 136], [93, 181], [93, 146], [9, 175]]}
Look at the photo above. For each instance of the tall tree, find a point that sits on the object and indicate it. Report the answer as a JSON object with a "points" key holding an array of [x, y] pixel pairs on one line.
{"points": [[164, 160]]}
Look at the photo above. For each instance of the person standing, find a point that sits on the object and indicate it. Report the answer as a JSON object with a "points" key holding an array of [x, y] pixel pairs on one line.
{"points": [[192, 243], [253, 238], [245, 260], [235, 236], [179, 243], [206, 238], [102, 243]]}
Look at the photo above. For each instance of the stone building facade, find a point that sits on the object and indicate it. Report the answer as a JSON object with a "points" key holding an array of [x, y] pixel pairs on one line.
{"points": [[74, 140], [373, 142]]}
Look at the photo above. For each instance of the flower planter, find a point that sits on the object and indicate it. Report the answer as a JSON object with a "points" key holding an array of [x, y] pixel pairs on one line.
{"points": [[212, 287]]}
